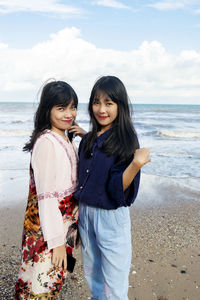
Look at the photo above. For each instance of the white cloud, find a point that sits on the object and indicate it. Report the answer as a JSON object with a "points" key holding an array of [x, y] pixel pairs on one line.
{"points": [[197, 11], [3, 46], [111, 3], [46, 6], [173, 5], [167, 5], [149, 71]]}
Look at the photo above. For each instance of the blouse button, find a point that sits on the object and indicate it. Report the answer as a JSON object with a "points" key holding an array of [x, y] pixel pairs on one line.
{"points": [[91, 154], [81, 187], [87, 171]]}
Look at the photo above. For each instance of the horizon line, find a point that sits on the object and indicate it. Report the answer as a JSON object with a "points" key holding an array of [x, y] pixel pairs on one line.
{"points": [[30, 102]]}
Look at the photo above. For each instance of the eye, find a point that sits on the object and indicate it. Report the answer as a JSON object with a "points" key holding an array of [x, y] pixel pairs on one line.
{"points": [[109, 102], [60, 108], [95, 101], [73, 107]]}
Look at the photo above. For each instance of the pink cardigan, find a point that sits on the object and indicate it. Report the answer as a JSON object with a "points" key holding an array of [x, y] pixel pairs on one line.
{"points": [[54, 163]]}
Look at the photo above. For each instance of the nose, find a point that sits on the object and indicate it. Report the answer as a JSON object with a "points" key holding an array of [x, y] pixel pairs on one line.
{"points": [[68, 113], [102, 108]]}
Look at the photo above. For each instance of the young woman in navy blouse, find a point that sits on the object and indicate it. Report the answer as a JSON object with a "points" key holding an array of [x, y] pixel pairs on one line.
{"points": [[109, 173]]}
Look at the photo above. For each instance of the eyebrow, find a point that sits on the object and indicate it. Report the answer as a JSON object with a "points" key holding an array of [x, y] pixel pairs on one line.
{"points": [[64, 105], [106, 99]]}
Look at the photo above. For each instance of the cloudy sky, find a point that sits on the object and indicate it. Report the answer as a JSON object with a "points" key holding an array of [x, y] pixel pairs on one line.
{"points": [[152, 46]]}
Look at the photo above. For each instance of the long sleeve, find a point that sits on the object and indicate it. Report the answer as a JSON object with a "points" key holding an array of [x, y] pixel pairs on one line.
{"points": [[115, 186], [44, 168]]}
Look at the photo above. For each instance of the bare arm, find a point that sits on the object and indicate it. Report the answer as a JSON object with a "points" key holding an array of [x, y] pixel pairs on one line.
{"points": [[141, 157]]}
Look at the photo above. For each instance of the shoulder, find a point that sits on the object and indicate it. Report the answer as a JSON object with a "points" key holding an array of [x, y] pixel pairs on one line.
{"points": [[43, 143], [43, 151]]}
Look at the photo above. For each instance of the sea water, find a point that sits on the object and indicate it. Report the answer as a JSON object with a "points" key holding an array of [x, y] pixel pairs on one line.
{"points": [[171, 132]]}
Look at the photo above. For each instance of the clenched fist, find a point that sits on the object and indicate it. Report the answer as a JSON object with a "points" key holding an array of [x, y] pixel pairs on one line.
{"points": [[141, 157]]}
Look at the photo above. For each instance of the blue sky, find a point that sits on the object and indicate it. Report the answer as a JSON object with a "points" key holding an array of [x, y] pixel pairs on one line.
{"points": [[152, 45]]}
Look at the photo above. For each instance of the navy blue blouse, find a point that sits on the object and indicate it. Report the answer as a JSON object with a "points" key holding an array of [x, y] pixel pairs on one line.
{"points": [[100, 178]]}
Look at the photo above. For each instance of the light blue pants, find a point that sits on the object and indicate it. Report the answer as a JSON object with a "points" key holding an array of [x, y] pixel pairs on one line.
{"points": [[106, 251]]}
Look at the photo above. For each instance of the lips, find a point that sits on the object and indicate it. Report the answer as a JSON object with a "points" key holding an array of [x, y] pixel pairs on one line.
{"points": [[68, 121], [102, 117]]}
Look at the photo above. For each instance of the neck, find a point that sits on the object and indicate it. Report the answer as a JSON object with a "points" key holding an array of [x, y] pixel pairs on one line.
{"points": [[102, 130], [59, 131]]}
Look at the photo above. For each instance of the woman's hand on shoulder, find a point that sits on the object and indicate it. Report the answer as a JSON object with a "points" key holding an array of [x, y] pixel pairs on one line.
{"points": [[141, 157], [59, 258], [77, 130]]}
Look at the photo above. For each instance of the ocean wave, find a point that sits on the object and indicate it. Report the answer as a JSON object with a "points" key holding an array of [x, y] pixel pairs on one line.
{"points": [[17, 122], [178, 154], [22, 121], [5, 148], [178, 134], [8, 122], [164, 110], [166, 190], [83, 121], [15, 132]]}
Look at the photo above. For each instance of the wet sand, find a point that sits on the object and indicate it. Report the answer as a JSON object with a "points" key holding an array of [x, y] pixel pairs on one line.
{"points": [[166, 252]]}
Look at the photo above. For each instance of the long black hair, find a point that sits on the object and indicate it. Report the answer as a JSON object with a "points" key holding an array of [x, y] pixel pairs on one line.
{"points": [[53, 94], [123, 140]]}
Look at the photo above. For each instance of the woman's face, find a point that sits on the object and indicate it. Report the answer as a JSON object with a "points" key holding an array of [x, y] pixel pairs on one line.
{"points": [[105, 110], [62, 117]]}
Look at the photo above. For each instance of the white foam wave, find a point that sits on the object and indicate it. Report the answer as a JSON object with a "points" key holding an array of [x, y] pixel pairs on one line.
{"points": [[15, 132], [156, 189], [177, 154], [179, 134], [17, 122]]}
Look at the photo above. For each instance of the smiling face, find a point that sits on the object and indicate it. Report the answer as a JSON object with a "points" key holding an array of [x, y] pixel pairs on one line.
{"points": [[105, 110], [62, 117]]}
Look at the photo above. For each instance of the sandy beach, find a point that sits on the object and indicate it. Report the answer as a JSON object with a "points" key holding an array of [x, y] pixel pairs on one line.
{"points": [[166, 250]]}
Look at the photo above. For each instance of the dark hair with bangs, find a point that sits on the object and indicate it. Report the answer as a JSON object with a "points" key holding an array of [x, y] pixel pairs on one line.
{"points": [[123, 140], [55, 93]]}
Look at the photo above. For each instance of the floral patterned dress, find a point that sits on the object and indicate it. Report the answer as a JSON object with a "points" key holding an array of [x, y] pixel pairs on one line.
{"points": [[51, 217]]}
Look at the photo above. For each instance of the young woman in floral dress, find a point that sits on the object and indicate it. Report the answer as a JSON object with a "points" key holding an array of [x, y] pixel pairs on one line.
{"points": [[50, 224]]}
